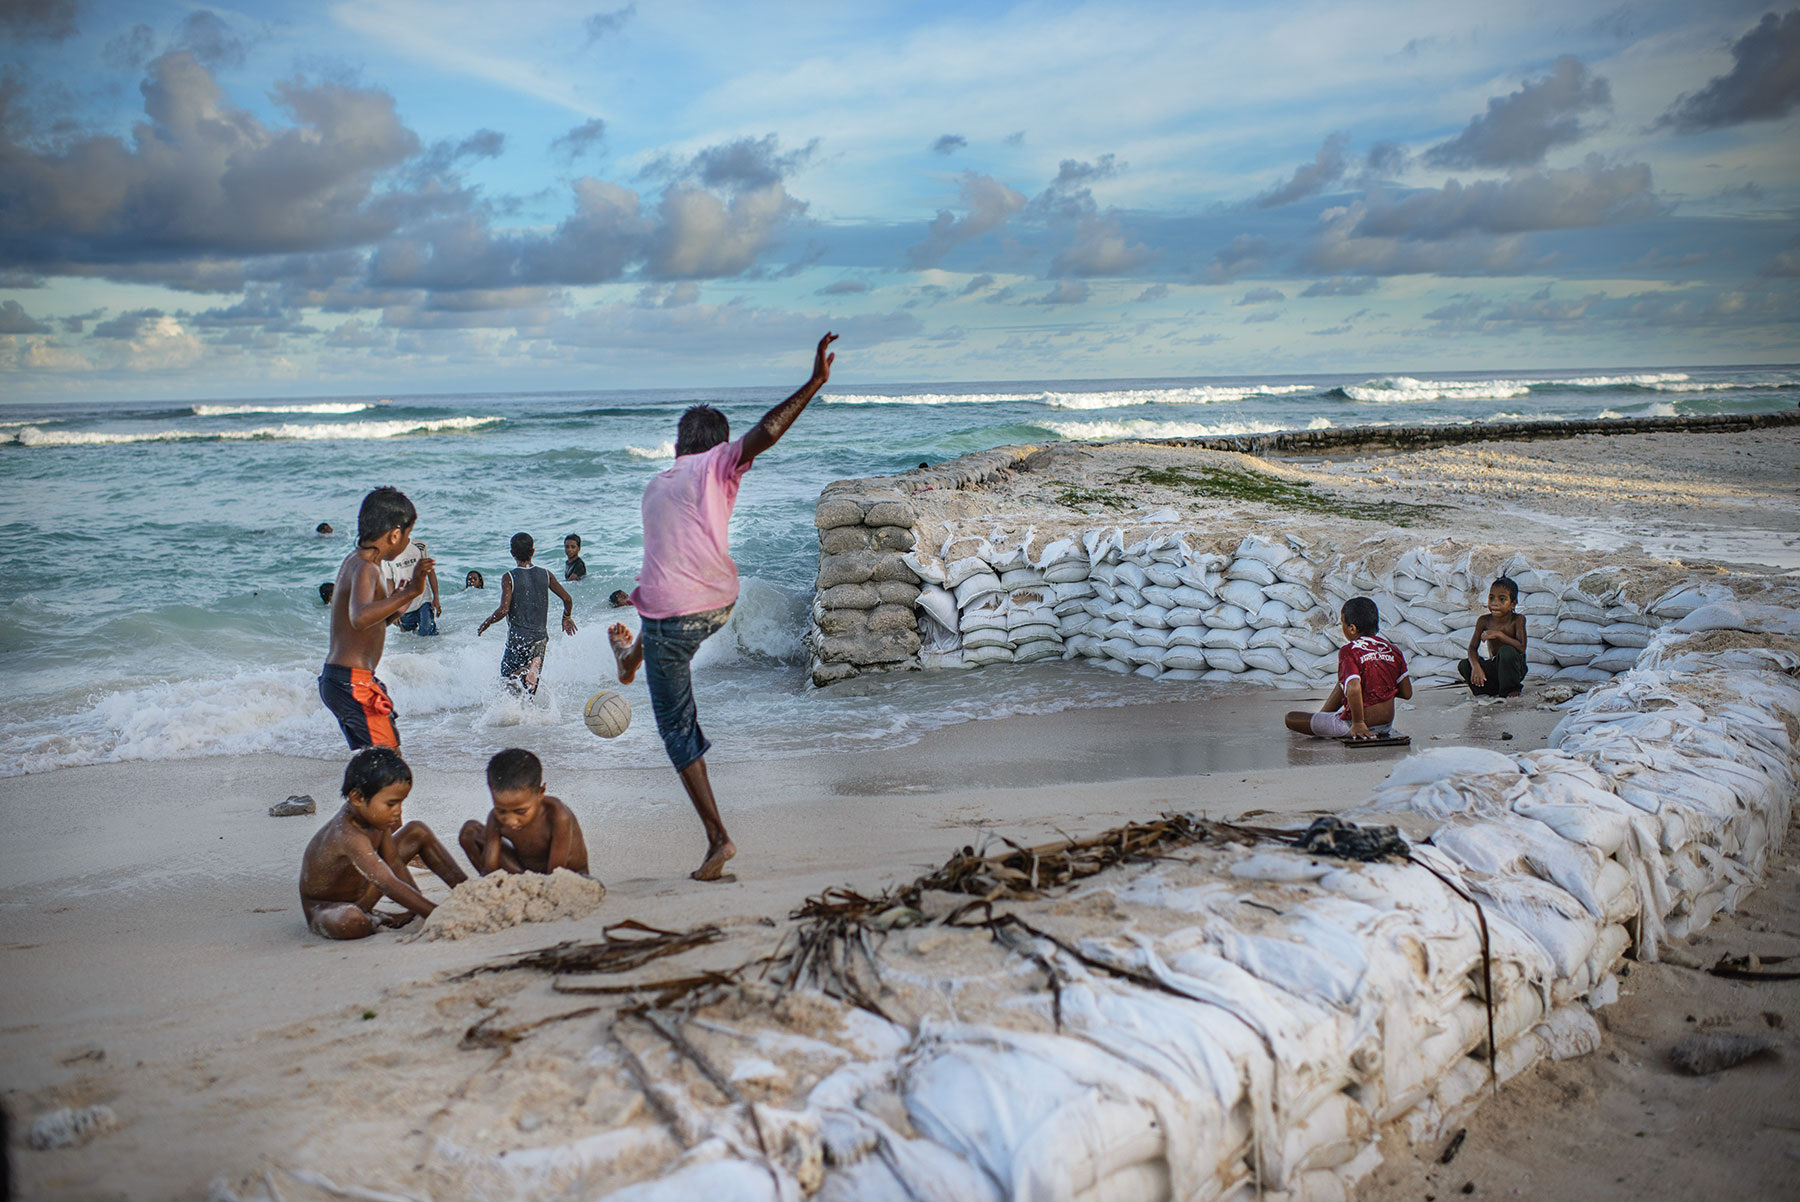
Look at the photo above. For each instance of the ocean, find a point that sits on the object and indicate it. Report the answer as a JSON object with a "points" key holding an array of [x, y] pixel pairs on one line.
{"points": [[162, 600]]}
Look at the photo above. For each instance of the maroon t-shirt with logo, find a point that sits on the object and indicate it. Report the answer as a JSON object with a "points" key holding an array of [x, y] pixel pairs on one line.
{"points": [[1378, 663]]}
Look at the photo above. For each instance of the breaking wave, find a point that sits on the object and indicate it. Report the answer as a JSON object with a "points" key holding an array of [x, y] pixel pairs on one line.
{"points": [[33, 436]]}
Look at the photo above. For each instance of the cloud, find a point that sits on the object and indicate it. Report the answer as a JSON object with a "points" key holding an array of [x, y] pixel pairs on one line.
{"points": [[1066, 292], [605, 25], [74, 323], [1069, 196], [1261, 316], [14, 320], [1016, 138], [745, 163], [701, 235], [261, 307], [1784, 265], [127, 325], [1154, 292], [42, 20], [1262, 296], [949, 144], [1242, 255], [210, 40], [1342, 285], [130, 50], [1385, 160], [578, 141], [1099, 247], [1312, 178], [976, 285], [1518, 130], [355, 334], [1595, 193], [204, 179], [844, 288], [989, 204], [445, 155], [1762, 85]]}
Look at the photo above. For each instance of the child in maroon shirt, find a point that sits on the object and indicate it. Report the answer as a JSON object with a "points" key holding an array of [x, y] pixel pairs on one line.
{"points": [[1371, 675]]}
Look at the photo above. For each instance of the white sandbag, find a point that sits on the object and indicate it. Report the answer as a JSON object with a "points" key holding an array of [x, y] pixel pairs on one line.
{"points": [[1162, 575], [1569, 630], [1268, 636], [1252, 571], [1074, 590], [1740, 615], [1033, 631], [1219, 676], [1191, 635], [1271, 614], [1235, 639], [981, 656], [1197, 598], [1020, 577], [1085, 645], [1244, 594], [1537, 605], [1074, 607], [1128, 595], [1614, 660], [1185, 657], [959, 570], [1580, 611], [1060, 550], [1111, 665], [1315, 642], [1573, 654], [1155, 594], [1404, 635], [1150, 615], [1262, 551], [1172, 674], [1129, 574], [1426, 620], [1185, 615], [1626, 634], [1036, 649], [1225, 658], [985, 636], [1121, 649], [932, 660], [1684, 599], [1581, 674], [1150, 636], [1294, 596], [1068, 571], [1269, 659], [940, 605], [974, 587], [1226, 616]]}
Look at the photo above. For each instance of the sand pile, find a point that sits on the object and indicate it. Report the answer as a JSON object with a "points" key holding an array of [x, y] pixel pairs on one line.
{"points": [[505, 899]]}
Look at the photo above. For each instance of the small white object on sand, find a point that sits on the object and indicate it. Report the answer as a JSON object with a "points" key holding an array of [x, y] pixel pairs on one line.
{"points": [[506, 899], [71, 1127]]}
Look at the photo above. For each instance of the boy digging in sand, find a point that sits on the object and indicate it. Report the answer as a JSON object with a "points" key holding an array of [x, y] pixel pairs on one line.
{"points": [[1371, 675], [1502, 672], [360, 609], [527, 830], [689, 582], [360, 855]]}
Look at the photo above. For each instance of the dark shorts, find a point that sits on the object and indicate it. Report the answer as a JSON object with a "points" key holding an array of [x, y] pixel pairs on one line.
{"points": [[520, 654], [361, 705], [669, 647], [422, 619]]}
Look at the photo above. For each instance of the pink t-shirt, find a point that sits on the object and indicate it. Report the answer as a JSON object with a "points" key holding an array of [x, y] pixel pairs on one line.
{"points": [[687, 534]]}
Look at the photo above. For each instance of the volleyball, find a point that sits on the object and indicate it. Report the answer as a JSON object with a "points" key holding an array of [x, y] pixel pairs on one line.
{"points": [[607, 714]]}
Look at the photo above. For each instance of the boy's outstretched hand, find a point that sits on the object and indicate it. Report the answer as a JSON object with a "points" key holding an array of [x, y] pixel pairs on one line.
{"points": [[821, 361]]}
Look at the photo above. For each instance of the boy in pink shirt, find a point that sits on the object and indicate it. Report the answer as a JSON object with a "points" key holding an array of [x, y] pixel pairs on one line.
{"points": [[689, 583]]}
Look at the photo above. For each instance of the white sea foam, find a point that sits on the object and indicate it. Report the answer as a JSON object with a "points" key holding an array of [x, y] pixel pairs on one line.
{"points": [[314, 407], [1393, 390], [1644, 380], [664, 451], [1657, 409], [34, 436], [1140, 427], [930, 398], [1202, 394]]}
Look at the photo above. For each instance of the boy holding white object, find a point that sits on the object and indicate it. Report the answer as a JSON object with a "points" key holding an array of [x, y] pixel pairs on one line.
{"points": [[1502, 672], [1372, 675]]}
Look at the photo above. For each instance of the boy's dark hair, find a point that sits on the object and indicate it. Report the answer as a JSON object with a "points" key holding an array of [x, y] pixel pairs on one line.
{"points": [[619, 598], [573, 538], [473, 580], [514, 768], [701, 429], [373, 769], [522, 546], [1361, 613], [1509, 584], [383, 510], [325, 591]]}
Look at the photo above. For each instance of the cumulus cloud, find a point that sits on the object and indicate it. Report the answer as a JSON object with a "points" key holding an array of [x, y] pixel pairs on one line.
{"points": [[207, 37], [1066, 292], [949, 144], [1262, 296], [1595, 193], [1070, 195], [1241, 256], [1099, 247], [1762, 85], [130, 50], [988, 204], [701, 235], [1519, 129], [578, 141], [203, 178], [1385, 160], [1342, 285], [14, 320], [1154, 292], [40, 20], [744, 163], [977, 284], [1312, 178]]}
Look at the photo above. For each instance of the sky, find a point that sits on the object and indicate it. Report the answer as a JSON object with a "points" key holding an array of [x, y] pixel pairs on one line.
{"points": [[390, 197]]}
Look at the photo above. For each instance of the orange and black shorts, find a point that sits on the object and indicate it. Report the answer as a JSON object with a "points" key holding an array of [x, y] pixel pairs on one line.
{"points": [[361, 705]]}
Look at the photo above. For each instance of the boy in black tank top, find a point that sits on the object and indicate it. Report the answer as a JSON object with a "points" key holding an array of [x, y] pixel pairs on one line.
{"points": [[525, 604]]}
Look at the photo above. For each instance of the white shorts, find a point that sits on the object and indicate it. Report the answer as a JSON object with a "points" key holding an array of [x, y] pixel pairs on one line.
{"points": [[1328, 725]]}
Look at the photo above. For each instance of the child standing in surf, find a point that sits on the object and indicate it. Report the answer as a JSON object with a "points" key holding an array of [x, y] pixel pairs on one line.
{"points": [[525, 604], [689, 583], [361, 607]]}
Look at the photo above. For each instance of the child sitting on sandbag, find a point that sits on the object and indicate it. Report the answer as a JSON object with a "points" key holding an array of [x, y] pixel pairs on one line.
{"points": [[1372, 674], [1502, 672]]}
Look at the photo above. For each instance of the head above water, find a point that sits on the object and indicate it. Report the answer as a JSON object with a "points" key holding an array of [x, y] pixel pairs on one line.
{"points": [[383, 510], [1360, 613], [474, 580], [620, 598], [373, 769], [514, 768], [324, 528], [522, 547], [701, 429], [325, 591]]}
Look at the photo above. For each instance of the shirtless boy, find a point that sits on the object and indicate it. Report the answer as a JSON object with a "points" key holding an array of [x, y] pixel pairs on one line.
{"points": [[1501, 672], [360, 855], [360, 609], [527, 830], [689, 583]]}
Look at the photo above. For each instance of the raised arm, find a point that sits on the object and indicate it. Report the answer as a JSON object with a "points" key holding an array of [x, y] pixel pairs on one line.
{"points": [[367, 608], [767, 432]]}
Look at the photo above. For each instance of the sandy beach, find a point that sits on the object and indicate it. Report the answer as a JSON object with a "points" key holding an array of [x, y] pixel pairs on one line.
{"points": [[155, 960]]}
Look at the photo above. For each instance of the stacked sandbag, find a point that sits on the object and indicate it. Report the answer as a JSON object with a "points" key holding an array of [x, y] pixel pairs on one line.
{"points": [[1247, 1020], [863, 606]]}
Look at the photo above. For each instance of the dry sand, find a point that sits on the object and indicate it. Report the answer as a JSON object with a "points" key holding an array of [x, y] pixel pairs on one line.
{"points": [[153, 959]]}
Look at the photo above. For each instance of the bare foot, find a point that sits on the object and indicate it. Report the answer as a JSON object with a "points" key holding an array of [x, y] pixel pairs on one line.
{"points": [[714, 867], [626, 650]]}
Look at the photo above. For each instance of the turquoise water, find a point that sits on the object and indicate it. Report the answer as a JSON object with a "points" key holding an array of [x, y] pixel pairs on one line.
{"points": [[162, 599]]}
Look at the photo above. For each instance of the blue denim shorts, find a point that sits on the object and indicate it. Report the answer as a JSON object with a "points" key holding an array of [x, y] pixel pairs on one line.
{"points": [[669, 647]]}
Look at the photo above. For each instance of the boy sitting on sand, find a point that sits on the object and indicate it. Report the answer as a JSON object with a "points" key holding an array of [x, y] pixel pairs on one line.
{"points": [[1371, 675], [1502, 673], [360, 855], [527, 830]]}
